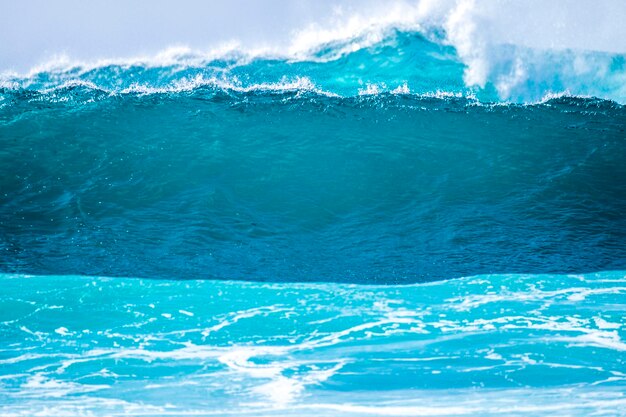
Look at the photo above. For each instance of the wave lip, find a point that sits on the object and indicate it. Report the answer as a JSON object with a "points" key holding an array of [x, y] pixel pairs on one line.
{"points": [[398, 59]]}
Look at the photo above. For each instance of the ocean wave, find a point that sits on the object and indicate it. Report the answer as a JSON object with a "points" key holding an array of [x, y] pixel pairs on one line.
{"points": [[282, 182], [393, 59], [295, 210]]}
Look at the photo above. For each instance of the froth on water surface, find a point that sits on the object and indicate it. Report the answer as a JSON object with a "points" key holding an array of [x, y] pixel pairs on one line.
{"points": [[522, 345]]}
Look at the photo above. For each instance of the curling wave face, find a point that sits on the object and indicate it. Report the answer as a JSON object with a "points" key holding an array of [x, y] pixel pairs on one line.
{"points": [[284, 180]]}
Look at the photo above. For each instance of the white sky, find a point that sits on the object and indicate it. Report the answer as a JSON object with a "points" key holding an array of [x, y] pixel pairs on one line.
{"points": [[34, 31]]}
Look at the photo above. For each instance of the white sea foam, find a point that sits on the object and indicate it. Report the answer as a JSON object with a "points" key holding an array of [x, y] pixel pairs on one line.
{"points": [[297, 84], [289, 363], [41, 386], [570, 294]]}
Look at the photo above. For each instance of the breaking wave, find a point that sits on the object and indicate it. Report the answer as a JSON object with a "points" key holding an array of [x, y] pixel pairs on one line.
{"points": [[396, 56]]}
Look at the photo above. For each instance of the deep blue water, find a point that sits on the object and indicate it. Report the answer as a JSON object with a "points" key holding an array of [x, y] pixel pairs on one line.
{"points": [[297, 186], [241, 203]]}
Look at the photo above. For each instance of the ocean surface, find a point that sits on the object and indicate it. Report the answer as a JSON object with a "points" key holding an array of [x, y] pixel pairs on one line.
{"points": [[490, 345], [255, 234]]}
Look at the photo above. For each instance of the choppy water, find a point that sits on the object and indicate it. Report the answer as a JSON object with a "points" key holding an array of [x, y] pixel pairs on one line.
{"points": [[354, 165], [487, 345]]}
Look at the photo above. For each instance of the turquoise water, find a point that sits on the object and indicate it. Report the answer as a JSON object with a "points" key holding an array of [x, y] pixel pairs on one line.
{"points": [[486, 345], [286, 235]]}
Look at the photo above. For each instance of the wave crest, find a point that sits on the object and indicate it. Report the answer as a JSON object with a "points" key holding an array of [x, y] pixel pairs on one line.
{"points": [[385, 59]]}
